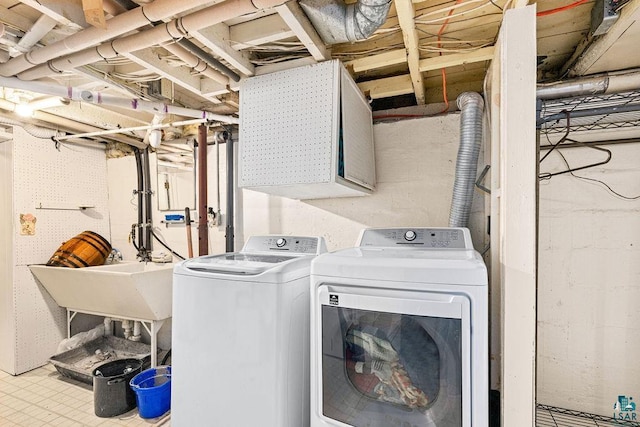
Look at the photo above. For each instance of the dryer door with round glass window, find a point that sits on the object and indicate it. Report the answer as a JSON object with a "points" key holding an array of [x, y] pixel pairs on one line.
{"points": [[394, 358]]}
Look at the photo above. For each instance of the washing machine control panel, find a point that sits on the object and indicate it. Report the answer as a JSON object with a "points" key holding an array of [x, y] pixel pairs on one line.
{"points": [[436, 238], [292, 244]]}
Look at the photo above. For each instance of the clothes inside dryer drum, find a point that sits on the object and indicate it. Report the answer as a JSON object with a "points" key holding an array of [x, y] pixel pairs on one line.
{"points": [[382, 369]]}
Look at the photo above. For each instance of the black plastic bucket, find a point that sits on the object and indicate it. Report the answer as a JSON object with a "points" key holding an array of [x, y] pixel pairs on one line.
{"points": [[111, 392]]}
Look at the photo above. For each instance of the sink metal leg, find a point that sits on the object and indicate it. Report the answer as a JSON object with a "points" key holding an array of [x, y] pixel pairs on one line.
{"points": [[152, 329], [70, 315]]}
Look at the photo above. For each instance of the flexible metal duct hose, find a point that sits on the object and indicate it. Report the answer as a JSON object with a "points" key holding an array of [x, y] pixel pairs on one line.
{"points": [[471, 106], [35, 131], [338, 22]]}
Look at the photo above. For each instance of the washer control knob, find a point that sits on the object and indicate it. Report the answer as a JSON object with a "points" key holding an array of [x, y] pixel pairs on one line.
{"points": [[281, 242], [410, 235]]}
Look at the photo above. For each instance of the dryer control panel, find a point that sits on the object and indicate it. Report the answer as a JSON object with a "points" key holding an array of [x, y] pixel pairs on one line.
{"points": [[292, 244], [427, 238]]}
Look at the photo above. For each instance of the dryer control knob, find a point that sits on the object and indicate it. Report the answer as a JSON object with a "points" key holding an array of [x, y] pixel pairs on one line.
{"points": [[410, 235], [281, 242]]}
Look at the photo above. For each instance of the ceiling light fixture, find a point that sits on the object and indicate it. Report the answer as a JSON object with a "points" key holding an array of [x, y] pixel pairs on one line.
{"points": [[24, 110]]}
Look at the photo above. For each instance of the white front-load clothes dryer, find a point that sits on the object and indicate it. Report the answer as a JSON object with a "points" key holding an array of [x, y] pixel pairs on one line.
{"points": [[240, 335], [399, 331]]}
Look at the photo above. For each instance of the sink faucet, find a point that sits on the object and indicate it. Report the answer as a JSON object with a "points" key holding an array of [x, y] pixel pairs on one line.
{"points": [[114, 257]]}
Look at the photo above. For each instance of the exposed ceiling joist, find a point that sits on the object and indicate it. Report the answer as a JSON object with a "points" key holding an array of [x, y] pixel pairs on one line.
{"points": [[624, 33], [455, 59], [285, 65], [217, 38], [381, 60], [390, 86], [15, 19], [292, 14], [258, 32], [149, 59], [68, 13], [406, 15], [42, 26]]}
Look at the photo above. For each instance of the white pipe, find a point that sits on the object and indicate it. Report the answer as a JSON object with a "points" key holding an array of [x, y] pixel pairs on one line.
{"points": [[126, 327], [623, 82], [154, 107], [136, 332], [608, 83], [197, 64], [172, 30], [133, 129], [108, 329], [70, 124], [116, 26], [99, 98]]}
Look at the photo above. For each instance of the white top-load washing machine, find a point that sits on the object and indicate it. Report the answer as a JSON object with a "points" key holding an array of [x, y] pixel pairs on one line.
{"points": [[399, 331], [240, 340]]}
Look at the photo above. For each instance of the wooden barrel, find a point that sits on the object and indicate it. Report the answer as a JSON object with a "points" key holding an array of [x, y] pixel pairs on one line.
{"points": [[85, 249]]}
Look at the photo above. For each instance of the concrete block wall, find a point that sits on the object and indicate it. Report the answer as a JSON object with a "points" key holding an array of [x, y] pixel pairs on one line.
{"points": [[415, 168], [589, 282]]}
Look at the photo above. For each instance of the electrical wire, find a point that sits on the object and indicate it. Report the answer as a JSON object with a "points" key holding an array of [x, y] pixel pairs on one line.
{"points": [[166, 247], [449, 9], [442, 70], [453, 15], [570, 169], [496, 5], [464, 20], [561, 9], [597, 181]]}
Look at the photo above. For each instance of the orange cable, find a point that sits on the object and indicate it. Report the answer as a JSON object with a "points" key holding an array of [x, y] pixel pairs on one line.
{"points": [[560, 9], [442, 70]]}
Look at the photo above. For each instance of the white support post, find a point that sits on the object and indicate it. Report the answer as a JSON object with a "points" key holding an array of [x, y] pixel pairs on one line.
{"points": [[514, 183]]}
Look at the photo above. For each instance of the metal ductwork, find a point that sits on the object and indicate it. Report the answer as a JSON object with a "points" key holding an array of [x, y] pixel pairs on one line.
{"points": [[471, 106], [338, 22]]}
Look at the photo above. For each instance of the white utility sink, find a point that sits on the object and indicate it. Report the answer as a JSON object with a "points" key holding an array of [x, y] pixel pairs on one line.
{"points": [[133, 290]]}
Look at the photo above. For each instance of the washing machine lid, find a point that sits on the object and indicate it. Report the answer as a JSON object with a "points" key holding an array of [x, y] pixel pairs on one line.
{"points": [[238, 262], [261, 254]]}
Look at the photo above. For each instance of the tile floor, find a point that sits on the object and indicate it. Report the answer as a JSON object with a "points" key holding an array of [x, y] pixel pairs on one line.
{"points": [[44, 398]]}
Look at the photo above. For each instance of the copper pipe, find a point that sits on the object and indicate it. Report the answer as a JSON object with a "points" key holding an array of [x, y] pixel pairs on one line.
{"points": [[203, 230]]}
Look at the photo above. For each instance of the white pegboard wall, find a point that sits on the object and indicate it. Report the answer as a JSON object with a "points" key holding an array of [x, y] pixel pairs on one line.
{"points": [[288, 125], [74, 175], [42, 174]]}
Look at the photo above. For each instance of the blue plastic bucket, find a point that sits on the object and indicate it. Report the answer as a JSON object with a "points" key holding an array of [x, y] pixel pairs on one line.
{"points": [[153, 391]]}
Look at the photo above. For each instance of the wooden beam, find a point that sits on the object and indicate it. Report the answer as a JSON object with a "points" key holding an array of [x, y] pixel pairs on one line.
{"points": [[67, 13], [292, 14], [259, 31], [391, 86], [284, 65], [15, 19], [406, 15], [217, 38], [181, 76], [378, 61], [514, 228], [583, 61], [446, 61]]}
